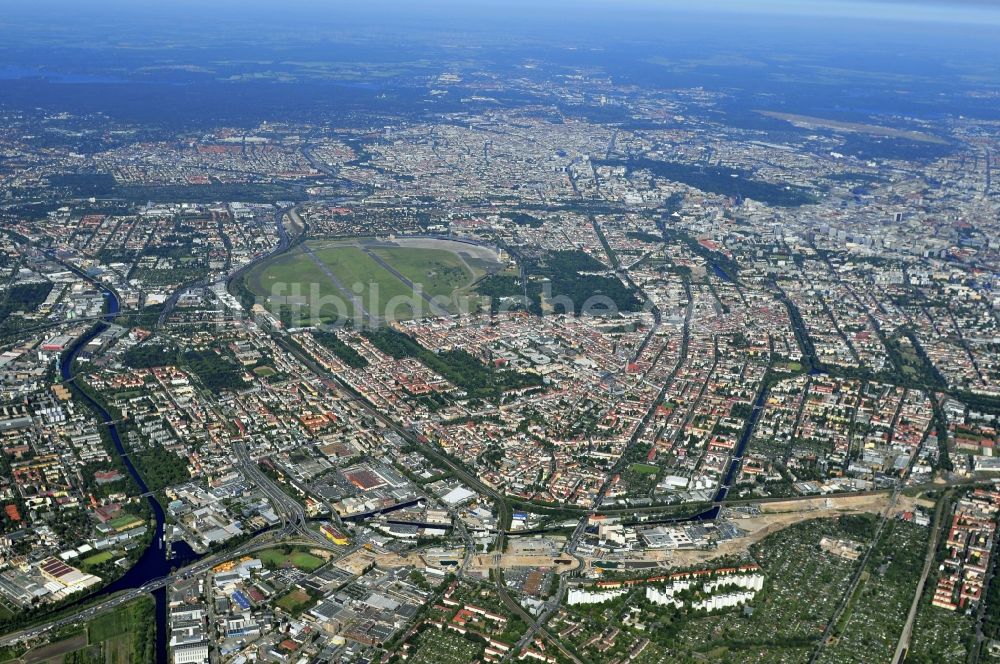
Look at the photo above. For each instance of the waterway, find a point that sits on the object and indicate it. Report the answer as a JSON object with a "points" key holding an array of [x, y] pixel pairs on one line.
{"points": [[736, 460], [156, 561]]}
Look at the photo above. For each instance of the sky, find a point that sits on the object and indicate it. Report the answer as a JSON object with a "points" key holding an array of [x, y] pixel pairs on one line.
{"points": [[944, 26], [478, 13], [970, 12], [955, 11]]}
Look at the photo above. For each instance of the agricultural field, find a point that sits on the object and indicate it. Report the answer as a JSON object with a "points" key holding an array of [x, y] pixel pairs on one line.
{"points": [[339, 279]]}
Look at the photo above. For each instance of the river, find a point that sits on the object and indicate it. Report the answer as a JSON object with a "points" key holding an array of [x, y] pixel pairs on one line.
{"points": [[156, 561]]}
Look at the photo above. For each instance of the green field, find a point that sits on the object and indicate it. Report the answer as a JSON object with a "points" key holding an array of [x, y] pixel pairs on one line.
{"points": [[126, 634], [644, 469], [109, 625], [295, 601], [296, 558], [98, 558], [292, 276], [439, 272], [125, 521], [328, 281], [377, 287]]}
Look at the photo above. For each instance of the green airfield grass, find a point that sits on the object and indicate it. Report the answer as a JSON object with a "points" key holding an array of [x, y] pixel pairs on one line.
{"points": [[379, 287], [295, 275], [441, 273]]}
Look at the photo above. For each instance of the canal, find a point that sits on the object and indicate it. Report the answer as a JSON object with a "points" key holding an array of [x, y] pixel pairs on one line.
{"points": [[736, 459], [156, 561]]}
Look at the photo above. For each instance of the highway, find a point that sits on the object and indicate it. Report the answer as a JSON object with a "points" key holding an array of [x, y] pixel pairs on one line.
{"points": [[308, 488], [291, 512], [265, 540]]}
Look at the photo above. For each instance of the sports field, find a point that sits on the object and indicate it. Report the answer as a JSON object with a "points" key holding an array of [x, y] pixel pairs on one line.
{"points": [[365, 279], [98, 558], [295, 601]]}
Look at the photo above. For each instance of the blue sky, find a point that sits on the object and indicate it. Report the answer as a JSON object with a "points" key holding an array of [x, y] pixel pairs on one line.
{"points": [[631, 18], [907, 10], [976, 12], [930, 10]]}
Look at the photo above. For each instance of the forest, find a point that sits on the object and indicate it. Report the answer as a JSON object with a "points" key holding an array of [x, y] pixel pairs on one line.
{"points": [[577, 293], [722, 180]]}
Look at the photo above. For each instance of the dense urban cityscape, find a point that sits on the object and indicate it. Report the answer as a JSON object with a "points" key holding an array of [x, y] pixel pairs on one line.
{"points": [[520, 360]]}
